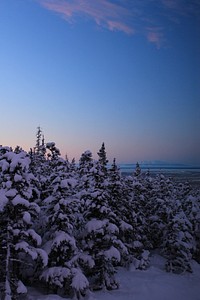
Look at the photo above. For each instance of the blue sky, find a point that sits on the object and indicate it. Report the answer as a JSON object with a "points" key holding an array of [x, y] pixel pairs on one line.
{"points": [[126, 73]]}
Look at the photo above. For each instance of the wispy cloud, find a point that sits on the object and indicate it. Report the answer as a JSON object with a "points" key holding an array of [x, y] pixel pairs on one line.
{"points": [[155, 35], [182, 7], [171, 4], [103, 12], [150, 18]]}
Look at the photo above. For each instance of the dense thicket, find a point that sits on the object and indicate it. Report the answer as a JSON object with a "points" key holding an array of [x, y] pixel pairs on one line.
{"points": [[68, 226]]}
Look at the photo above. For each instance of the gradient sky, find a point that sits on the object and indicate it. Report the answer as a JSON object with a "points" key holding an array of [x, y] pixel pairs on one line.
{"points": [[123, 72]]}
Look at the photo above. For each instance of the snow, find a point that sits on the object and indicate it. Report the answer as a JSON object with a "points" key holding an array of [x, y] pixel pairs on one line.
{"points": [[125, 226], [112, 253], [44, 256], [35, 207], [47, 247], [112, 228], [3, 200], [87, 259], [20, 201], [4, 165], [62, 236], [95, 225], [104, 209], [79, 281], [145, 254], [152, 284], [67, 183], [50, 145], [137, 244], [17, 178], [8, 290], [27, 217], [17, 159], [56, 275], [87, 153], [26, 248], [8, 184], [36, 237], [11, 193], [21, 289]]}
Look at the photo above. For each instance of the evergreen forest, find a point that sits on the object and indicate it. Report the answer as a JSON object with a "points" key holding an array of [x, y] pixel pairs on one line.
{"points": [[67, 227]]}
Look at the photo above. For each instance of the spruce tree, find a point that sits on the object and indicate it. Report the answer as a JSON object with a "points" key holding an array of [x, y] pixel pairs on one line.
{"points": [[178, 242], [17, 213], [137, 171], [101, 236], [103, 158], [64, 273]]}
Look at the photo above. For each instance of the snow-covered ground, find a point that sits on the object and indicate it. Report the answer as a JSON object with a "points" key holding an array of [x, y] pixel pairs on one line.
{"points": [[153, 284]]}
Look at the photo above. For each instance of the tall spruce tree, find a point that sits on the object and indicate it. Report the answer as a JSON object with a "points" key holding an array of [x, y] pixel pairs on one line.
{"points": [[18, 238], [100, 238], [103, 158], [64, 273]]}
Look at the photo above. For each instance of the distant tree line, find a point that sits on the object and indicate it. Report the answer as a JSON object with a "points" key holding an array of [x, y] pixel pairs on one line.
{"points": [[68, 226]]}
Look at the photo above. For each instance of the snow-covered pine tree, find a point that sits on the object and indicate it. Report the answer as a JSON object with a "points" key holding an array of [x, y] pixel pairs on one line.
{"points": [[100, 240], [138, 170], [73, 167], [54, 152], [85, 164], [103, 158], [115, 189], [39, 165], [137, 240], [160, 196], [63, 274], [191, 207], [50, 169], [169, 226], [38, 140], [18, 239], [37, 155], [85, 184], [120, 207], [178, 243]]}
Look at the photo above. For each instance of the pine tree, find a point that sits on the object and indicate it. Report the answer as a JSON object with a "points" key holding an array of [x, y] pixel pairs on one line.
{"points": [[37, 155], [160, 195], [119, 206], [138, 242], [17, 212], [38, 140], [178, 242], [191, 207], [103, 158], [64, 273], [85, 163], [101, 236], [137, 171]]}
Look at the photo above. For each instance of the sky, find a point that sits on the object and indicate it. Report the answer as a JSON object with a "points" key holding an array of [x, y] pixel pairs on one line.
{"points": [[123, 72]]}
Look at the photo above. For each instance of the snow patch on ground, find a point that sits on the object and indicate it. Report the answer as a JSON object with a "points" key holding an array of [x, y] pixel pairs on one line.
{"points": [[153, 284]]}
